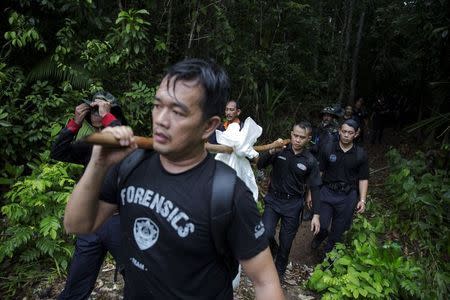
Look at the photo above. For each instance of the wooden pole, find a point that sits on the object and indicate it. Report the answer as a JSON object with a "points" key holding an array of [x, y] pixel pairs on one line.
{"points": [[107, 139]]}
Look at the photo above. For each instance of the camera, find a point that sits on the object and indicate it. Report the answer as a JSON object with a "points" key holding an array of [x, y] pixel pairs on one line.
{"points": [[94, 110]]}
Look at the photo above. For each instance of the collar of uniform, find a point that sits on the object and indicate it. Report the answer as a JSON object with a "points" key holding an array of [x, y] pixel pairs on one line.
{"points": [[338, 148], [301, 153]]}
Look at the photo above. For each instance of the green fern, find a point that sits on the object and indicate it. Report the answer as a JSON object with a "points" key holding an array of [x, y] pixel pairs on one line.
{"points": [[48, 69], [33, 212]]}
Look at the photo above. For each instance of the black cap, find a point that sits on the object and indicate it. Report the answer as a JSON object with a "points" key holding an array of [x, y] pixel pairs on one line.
{"points": [[103, 95], [116, 110], [329, 110]]}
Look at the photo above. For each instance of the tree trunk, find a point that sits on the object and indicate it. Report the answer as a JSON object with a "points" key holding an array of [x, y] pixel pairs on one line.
{"points": [[348, 31], [169, 32], [356, 56], [194, 23], [317, 41], [332, 45]]}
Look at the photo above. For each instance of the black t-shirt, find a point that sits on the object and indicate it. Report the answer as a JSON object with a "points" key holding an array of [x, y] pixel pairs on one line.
{"points": [[344, 167], [168, 247], [291, 172]]}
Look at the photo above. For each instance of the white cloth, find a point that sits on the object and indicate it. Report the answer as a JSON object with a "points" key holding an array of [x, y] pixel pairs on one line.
{"points": [[242, 141]]}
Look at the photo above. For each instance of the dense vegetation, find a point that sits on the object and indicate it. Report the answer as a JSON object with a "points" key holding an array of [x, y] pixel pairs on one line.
{"points": [[401, 249], [286, 60]]}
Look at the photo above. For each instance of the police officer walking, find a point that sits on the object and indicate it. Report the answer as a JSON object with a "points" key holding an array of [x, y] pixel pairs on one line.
{"points": [[345, 173], [327, 131], [294, 168]]}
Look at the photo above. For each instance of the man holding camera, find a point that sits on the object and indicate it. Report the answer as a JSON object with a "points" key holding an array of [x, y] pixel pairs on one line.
{"points": [[90, 249]]}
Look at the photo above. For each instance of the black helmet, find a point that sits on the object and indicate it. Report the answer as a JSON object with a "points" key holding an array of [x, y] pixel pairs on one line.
{"points": [[330, 110], [103, 96], [116, 110]]}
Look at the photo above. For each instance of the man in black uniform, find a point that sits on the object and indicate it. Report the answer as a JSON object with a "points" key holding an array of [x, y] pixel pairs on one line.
{"points": [[327, 131], [294, 168], [165, 201], [345, 174], [90, 249]]}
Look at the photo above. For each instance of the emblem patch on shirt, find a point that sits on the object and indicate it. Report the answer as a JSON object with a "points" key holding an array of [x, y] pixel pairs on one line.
{"points": [[333, 157], [301, 166], [259, 229], [146, 233]]}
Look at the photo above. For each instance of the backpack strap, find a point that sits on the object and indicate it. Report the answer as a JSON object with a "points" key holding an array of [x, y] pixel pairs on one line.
{"points": [[221, 210], [126, 167], [129, 163]]}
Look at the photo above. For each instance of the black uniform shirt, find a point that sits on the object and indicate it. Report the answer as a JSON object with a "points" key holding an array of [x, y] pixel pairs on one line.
{"points": [[292, 171], [345, 167], [168, 246]]}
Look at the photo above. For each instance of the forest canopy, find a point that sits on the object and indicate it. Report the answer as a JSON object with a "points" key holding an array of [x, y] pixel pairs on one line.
{"points": [[282, 56]]}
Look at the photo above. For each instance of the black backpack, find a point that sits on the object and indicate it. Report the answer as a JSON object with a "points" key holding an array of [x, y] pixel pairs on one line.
{"points": [[221, 206]]}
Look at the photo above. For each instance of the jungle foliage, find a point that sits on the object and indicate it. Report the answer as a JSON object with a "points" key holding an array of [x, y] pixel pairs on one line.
{"points": [[286, 59], [34, 237], [402, 250]]}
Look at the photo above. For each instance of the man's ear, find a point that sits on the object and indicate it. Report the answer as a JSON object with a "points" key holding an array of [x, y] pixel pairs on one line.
{"points": [[210, 125], [238, 112]]}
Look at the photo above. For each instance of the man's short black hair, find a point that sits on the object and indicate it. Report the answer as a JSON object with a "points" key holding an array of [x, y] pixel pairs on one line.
{"points": [[210, 76], [305, 125], [352, 123]]}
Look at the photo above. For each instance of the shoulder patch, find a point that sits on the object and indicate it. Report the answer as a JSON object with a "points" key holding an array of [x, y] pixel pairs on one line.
{"points": [[332, 157], [301, 166], [259, 229]]}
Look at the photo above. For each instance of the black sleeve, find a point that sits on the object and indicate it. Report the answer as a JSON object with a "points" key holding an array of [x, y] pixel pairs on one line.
{"points": [[109, 191], [265, 159], [314, 182], [363, 173], [65, 149], [323, 159], [115, 123], [316, 201], [246, 235]]}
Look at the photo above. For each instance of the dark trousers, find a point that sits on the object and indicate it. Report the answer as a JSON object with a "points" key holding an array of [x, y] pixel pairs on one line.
{"points": [[90, 251], [335, 208], [288, 210]]}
